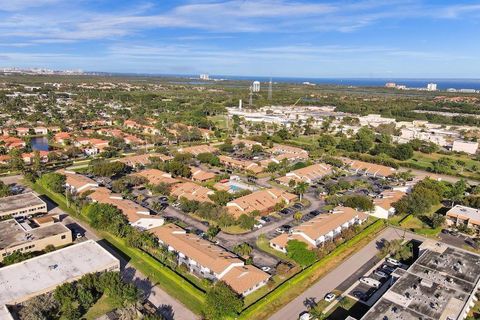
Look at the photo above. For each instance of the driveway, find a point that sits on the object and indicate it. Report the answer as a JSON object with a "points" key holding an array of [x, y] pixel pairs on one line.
{"points": [[337, 276]]}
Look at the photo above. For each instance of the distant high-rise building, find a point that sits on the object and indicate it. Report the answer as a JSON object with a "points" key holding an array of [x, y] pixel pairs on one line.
{"points": [[432, 87], [270, 90], [204, 76], [256, 86], [240, 104], [390, 84]]}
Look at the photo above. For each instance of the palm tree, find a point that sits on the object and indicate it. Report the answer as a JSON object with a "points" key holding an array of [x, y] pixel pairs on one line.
{"points": [[301, 188]]}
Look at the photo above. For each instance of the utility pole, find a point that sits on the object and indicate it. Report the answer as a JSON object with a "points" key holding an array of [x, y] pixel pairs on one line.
{"points": [[270, 90]]}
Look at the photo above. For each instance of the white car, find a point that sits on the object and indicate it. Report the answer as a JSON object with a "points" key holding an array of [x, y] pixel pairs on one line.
{"points": [[394, 262], [258, 226], [305, 316], [330, 297], [266, 269], [280, 230]]}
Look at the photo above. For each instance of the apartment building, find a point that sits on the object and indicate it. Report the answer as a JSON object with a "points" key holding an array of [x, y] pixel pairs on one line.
{"points": [[142, 160], [320, 229], [29, 157], [282, 149], [462, 215], [25, 204], [30, 278], [210, 261], [62, 137], [137, 215], [77, 183], [308, 174], [247, 143], [383, 204], [263, 201], [12, 142], [369, 169], [155, 176], [243, 165], [28, 237], [191, 191], [201, 175], [469, 147], [196, 150]]}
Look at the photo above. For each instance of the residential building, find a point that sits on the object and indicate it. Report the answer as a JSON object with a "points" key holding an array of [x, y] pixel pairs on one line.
{"points": [[320, 229], [196, 150], [263, 201], [91, 146], [374, 120], [30, 278], [62, 137], [137, 215], [440, 285], [210, 261], [201, 175], [464, 216], [77, 183], [281, 149], [191, 191], [307, 174], [247, 143], [369, 169], [12, 142], [21, 205], [243, 165], [142, 160], [432, 87], [155, 176], [40, 130], [22, 237], [256, 86], [469, 147], [22, 132], [383, 204], [30, 156]]}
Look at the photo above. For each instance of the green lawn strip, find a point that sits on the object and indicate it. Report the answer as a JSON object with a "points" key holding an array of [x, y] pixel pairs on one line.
{"points": [[101, 307], [166, 278], [263, 244], [290, 289]]}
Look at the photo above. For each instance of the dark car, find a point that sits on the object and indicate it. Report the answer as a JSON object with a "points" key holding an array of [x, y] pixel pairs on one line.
{"points": [[315, 213], [205, 223], [286, 227], [285, 211], [298, 206], [359, 294], [163, 199]]}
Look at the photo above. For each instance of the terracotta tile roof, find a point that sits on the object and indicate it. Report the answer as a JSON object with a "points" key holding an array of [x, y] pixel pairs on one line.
{"points": [[369, 168], [281, 148], [245, 278], [281, 241], [240, 164], [262, 200], [308, 174], [143, 159], [194, 247], [155, 176], [388, 198], [196, 150], [325, 223], [191, 191], [78, 181], [200, 175]]}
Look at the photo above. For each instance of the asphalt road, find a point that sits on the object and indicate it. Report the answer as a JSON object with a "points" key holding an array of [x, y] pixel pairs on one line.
{"points": [[337, 276]]}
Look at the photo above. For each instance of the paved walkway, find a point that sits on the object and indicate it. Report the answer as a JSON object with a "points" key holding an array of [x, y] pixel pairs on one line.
{"points": [[337, 276]]}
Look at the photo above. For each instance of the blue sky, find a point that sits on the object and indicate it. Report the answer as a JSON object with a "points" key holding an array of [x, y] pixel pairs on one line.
{"points": [[370, 38]]}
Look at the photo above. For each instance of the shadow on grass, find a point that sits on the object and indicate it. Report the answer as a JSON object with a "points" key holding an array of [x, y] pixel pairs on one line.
{"points": [[356, 311]]}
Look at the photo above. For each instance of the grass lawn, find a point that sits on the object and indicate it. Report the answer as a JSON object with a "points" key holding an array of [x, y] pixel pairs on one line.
{"points": [[220, 121], [165, 278], [235, 230], [263, 244], [418, 226], [101, 307], [293, 287]]}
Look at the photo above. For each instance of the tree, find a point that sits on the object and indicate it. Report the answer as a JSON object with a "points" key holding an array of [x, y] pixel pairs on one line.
{"points": [[221, 302], [209, 158], [298, 251], [16, 257], [54, 181], [326, 142], [4, 190], [246, 221], [221, 197], [106, 168], [297, 216], [243, 249], [358, 202], [301, 188], [213, 231], [437, 220]]}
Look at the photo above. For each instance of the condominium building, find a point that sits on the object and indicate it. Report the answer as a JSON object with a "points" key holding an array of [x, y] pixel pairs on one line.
{"points": [[22, 237], [155, 176], [143, 160], [24, 204], [383, 204], [469, 147], [77, 183], [196, 150], [308, 174], [201, 175], [191, 191], [210, 261], [369, 169], [137, 215], [263, 201], [320, 229], [243, 165]]}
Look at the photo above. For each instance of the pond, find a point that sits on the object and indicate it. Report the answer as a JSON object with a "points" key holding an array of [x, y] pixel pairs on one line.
{"points": [[40, 143]]}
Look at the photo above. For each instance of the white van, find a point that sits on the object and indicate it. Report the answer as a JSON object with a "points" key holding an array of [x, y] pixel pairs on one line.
{"points": [[370, 282], [394, 262]]}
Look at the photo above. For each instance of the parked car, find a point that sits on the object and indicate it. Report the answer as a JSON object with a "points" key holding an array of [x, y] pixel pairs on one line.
{"points": [[163, 199], [359, 295], [386, 268], [370, 282], [330, 297], [205, 223], [298, 206], [315, 213], [280, 230], [380, 274], [305, 316], [285, 211], [394, 262], [258, 225], [266, 269]]}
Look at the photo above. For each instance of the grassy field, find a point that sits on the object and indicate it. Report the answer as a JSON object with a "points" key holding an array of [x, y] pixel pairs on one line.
{"points": [[293, 287], [165, 278], [415, 224], [101, 307]]}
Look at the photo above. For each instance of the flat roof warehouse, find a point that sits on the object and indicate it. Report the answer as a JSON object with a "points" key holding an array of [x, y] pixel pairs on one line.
{"points": [[22, 281]]}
